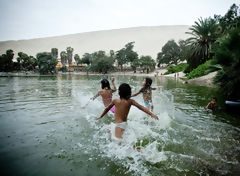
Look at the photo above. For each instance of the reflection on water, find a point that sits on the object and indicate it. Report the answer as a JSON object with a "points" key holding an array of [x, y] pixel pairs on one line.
{"points": [[44, 131]]}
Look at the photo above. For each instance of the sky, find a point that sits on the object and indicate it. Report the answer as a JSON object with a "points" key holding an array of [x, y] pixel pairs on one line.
{"points": [[27, 19]]}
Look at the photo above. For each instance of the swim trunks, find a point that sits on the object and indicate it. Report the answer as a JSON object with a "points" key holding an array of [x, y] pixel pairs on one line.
{"points": [[122, 125]]}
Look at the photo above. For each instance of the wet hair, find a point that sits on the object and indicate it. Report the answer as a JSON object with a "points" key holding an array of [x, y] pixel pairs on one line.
{"points": [[125, 91], [105, 84], [214, 98], [148, 82], [147, 85]]}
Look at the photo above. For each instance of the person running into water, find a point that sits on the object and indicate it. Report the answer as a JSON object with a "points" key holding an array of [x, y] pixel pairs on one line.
{"points": [[147, 93], [123, 105], [106, 93]]}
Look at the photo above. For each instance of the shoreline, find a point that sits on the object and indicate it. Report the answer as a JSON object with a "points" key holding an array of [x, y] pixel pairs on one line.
{"points": [[206, 80]]}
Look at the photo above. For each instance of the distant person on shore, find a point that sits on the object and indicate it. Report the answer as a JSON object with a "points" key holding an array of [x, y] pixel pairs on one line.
{"points": [[146, 90], [106, 93], [123, 105], [212, 104]]}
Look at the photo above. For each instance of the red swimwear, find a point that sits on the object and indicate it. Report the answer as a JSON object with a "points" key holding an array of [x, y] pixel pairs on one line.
{"points": [[113, 108]]}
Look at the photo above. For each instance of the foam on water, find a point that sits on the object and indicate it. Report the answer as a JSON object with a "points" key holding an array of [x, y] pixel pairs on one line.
{"points": [[142, 133]]}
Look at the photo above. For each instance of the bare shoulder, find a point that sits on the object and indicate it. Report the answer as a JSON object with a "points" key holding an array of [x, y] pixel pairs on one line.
{"points": [[132, 102], [116, 100]]}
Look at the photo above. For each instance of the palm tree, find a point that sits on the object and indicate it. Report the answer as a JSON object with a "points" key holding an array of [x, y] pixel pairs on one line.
{"points": [[204, 34], [54, 52], [77, 58], [147, 63], [63, 56], [69, 54]]}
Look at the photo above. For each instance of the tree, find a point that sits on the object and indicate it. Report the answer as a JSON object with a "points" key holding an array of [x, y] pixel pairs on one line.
{"points": [[126, 55], [229, 21], [227, 54], [77, 58], [63, 56], [147, 63], [135, 64], [26, 62], [171, 50], [6, 61], [163, 59], [54, 52], [204, 33], [103, 64], [46, 63], [69, 55], [87, 58]]}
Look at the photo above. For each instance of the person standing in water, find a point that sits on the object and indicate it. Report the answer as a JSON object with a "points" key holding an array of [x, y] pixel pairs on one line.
{"points": [[106, 93], [123, 105], [212, 104], [146, 90]]}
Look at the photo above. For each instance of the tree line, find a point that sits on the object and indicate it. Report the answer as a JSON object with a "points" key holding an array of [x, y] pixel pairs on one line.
{"points": [[214, 39]]}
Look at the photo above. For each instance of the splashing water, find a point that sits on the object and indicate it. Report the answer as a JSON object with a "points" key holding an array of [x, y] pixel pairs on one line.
{"points": [[41, 120]]}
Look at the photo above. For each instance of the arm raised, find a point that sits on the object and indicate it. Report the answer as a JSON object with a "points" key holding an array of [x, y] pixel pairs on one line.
{"points": [[106, 110], [114, 87], [134, 103], [98, 94], [133, 95]]}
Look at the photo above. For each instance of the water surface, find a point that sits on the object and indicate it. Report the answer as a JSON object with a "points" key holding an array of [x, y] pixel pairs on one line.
{"points": [[44, 131]]}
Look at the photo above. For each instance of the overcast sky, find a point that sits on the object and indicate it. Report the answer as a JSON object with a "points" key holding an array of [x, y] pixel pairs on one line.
{"points": [[25, 19]]}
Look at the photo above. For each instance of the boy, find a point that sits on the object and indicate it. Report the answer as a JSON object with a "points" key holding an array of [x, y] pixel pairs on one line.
{"points": [[122, 107], [212, 104]]}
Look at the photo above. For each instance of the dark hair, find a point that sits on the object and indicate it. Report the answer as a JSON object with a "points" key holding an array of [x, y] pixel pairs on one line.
{"points": [[147, 85], [148, 82], [125, 91], [214, 98], [105, 83]]}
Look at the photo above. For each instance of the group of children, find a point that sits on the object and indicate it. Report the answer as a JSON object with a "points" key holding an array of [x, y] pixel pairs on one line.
{"points": [[121, 106]]}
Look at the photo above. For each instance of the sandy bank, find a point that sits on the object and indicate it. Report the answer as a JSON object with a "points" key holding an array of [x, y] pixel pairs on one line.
{"points": [[206, 80]]}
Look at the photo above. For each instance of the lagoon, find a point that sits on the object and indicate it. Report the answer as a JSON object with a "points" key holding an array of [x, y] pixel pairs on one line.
{"points": [[44, 131]]}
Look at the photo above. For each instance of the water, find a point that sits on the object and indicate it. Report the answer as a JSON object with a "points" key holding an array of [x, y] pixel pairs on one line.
{"points": [[44, 131]]}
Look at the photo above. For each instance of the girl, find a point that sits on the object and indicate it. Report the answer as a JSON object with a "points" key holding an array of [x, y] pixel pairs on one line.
{"points": [[147, 93], [106, 93]]}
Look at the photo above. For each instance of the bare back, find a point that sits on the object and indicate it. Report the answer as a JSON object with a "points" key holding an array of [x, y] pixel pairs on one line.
{"points": [[122, 109], [106, 96]]}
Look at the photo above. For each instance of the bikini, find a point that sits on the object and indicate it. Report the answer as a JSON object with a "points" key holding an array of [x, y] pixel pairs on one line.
{"points": [[148, 103], [113, 108]]}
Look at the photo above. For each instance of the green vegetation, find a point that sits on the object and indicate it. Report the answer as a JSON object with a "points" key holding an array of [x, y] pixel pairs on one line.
{"points": [[227, 54], [170, 53], [46, 63], [6, 61], [54, 52], [147, 63], [174, 69], [126, 55], [201, 70], [25, 62]]}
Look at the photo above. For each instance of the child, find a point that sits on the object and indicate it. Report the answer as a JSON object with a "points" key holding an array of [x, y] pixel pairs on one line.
{"points": [[106, 93], [147, 93], [212, 104], [123, 105]]}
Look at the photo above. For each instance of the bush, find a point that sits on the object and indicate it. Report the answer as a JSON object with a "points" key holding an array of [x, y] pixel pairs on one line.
{"points": [[178, 68], [201, 70], [227, 54]]}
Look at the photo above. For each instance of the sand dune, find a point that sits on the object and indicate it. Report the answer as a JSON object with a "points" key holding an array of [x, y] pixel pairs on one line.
{"points": [[148, 40]]}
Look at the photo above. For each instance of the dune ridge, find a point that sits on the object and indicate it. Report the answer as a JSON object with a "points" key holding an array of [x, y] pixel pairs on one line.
{"points": [[148, 40]]}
